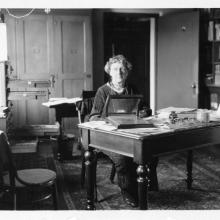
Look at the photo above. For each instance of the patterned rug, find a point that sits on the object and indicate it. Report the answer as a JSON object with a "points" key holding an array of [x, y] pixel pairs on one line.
{"points": [[172, 194]]}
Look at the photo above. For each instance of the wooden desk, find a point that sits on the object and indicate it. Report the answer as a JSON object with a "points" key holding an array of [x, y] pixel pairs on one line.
{"points": [[142, 148]]}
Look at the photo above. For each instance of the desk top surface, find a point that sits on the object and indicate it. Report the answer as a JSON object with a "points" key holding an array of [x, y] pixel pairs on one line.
{"points": [[162, 127]]}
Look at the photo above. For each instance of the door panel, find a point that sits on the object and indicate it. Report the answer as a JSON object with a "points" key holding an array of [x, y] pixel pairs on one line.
{"points": [[37, 113], [178, 52], [73, 47], [73, 86], [34, 47], [73, 64], [73, 38]]}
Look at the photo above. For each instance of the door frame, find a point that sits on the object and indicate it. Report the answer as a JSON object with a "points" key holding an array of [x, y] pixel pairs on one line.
{"points": [[98, 49], [153, 64]]}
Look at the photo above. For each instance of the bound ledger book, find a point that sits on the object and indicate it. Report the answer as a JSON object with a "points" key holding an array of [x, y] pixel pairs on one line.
{"points": [[128, 121]]}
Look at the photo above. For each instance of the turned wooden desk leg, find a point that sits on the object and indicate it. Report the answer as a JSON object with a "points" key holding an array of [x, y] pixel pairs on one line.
{"points": [[90, 179], [189, 179], [60, 139], [142, 186]]}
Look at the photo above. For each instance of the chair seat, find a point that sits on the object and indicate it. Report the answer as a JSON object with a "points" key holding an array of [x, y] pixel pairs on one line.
{"points": [[32, 176]]}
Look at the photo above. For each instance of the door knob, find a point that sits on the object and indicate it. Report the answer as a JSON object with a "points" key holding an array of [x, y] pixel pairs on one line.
{"points": [[193, 86]]}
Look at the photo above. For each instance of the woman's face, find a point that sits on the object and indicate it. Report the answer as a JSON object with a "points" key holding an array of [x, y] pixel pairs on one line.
{"points": [[118, 74]]}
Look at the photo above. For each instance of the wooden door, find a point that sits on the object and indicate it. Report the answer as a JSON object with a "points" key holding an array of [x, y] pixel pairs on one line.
{"points": [[177, 60], [30, 53], [50, 48], [72, 57]]}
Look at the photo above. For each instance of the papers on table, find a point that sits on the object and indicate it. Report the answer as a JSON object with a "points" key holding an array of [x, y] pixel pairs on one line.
{"points": [[59, 101], [99, 125], [102, 125], [165, 112], [176, 109], [214, 115], [218, 111], [144, 131]]}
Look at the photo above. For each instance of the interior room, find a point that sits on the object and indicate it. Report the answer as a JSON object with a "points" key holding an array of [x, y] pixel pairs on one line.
{"points": [[52, 65]]}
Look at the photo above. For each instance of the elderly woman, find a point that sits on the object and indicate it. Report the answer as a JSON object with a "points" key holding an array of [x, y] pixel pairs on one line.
{"points": [[118, 69]]}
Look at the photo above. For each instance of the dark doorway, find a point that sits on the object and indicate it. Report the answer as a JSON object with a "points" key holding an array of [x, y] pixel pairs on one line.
{"points": [[129, 34]]}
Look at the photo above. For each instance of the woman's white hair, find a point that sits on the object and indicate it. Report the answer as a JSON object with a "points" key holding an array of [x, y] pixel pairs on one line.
{"points": [[118, 59]]}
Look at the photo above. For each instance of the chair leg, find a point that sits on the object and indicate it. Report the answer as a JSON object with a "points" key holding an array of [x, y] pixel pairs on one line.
{"points": [[112, 174], [55, 196]]}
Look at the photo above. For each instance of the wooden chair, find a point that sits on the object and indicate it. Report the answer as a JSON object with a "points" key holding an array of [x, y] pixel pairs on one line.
{"points": [[84, 108], [41, 182]]}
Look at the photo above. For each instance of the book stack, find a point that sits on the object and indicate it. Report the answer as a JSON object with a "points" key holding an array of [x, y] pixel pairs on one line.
{"points": [[128, 121], [217, 31], [3, 112]]}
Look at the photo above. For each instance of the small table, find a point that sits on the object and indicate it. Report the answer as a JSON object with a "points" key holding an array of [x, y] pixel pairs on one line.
{"points": [[142, 147], [62, 111], [63, 108]]}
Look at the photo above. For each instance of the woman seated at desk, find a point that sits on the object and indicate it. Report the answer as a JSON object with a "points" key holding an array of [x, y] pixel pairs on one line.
{"points": [[118, 69]]}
